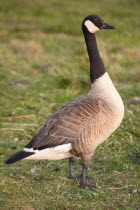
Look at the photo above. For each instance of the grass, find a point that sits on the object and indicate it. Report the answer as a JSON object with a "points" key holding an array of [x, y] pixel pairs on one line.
{"points": [[43, 64]]}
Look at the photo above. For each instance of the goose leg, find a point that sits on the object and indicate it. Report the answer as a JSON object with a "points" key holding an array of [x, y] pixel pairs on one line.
{"points": [[83, 180], [71, 164], [72, 174], [80, 177], [83, 183]]}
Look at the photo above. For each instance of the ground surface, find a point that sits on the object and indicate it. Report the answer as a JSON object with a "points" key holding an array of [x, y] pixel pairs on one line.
{"points": [[43, 64]]}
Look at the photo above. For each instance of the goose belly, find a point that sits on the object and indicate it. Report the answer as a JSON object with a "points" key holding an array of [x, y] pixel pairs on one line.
{"points": [[53, 153], [107, 129]]}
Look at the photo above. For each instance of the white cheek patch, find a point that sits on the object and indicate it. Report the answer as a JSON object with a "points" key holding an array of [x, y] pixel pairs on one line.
{"points": [[91, 27]]}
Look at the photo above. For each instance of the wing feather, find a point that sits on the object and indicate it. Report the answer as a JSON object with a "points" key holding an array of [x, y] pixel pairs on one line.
{"points": [[68, 123]]}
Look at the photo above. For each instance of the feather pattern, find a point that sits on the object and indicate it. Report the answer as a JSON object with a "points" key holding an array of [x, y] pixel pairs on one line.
{"points": [[84, 122]]}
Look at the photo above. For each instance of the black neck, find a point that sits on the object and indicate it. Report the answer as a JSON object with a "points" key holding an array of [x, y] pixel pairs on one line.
{"points": [[97, 68]]}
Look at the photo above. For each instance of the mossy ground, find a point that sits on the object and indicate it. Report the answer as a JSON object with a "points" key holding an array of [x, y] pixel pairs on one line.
{"points": [[43, 64]]}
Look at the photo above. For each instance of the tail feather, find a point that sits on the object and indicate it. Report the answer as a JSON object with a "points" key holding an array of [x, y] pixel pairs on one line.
{"points": [[18, 156]]}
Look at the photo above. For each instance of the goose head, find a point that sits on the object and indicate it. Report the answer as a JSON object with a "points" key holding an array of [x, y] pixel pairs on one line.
{"points": [[93, 23]]}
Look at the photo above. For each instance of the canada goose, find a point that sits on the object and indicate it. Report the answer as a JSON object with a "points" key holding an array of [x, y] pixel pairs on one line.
{"points": [[79, 126]]}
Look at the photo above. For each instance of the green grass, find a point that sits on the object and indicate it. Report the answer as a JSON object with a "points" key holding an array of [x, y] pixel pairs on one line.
{"points": [[43, 64]]}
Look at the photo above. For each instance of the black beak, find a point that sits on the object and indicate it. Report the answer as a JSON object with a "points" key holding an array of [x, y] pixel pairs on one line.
{"points": [[106, 26]]}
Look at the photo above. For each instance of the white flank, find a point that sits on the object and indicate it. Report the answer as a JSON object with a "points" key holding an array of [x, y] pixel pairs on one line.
{"points": [[53, 153], [30, 150], [91, 27]]}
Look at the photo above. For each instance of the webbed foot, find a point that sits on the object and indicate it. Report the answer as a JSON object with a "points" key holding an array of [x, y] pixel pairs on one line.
{"points": [[80, 177], [90, 187]]}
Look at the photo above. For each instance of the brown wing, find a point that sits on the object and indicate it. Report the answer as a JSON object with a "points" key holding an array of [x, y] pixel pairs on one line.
{"points": [[67, 123]]}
